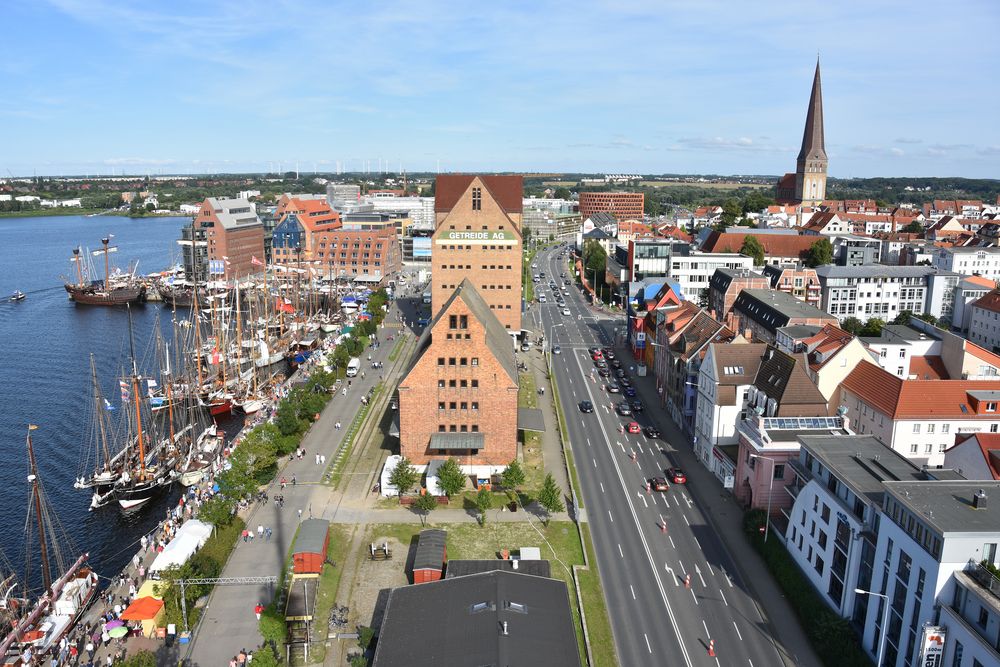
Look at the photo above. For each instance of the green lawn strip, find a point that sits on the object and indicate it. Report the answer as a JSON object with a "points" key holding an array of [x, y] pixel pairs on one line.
{"points": [[564, 435], [534, 466], [471, 541], [830, 635], [326, 594], [397, 347], [602, 642], [342, 455]]}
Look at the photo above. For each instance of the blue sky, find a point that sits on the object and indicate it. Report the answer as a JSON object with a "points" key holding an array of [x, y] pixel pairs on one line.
{"points": [[643, 86]]}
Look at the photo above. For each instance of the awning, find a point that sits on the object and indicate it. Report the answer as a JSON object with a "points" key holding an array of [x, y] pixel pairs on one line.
{"points": [[457, 441], [530, 419]]}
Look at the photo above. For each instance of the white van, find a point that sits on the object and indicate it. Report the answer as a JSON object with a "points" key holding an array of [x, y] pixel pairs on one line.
{"points": [[353, 366]]}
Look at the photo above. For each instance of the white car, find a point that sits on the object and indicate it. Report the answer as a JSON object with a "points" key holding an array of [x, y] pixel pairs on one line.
{"points": [[565, 311]]}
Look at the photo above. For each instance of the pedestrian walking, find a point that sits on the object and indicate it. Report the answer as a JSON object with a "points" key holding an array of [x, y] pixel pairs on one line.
{"points": [[282, 483], [322, 459], [300, 514], [293, 480], [232, 663], [144, 541], [260, 530], [344, 391], [337, 426], [317, 459], [267, 533], [258, 610]]}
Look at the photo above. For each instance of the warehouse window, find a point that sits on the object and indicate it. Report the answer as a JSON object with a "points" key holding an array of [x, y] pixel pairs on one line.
{"points": [[477, 199]]}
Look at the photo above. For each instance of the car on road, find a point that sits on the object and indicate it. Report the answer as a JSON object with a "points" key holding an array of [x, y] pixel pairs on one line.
{"points": [[565, 311], [633, 427], [603, 372], [676, 475], [600, 363], [624, 381], [623, 409], [637, 406], [593, 350], [608, 352], [616, 363], [423, 321], [596, 354], [586, 406], [651, 432], [619, 371], [613, 388], [629, 391], [659, 484], [556, 349]]}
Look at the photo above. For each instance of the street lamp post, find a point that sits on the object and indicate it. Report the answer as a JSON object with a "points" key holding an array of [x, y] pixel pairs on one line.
{"points": [[770, 486], [885, 621]]}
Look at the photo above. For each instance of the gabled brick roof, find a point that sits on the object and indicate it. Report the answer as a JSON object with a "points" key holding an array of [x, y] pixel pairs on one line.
{"points": [[775, 245], [915, 399], [507, 190], [989, 301]]}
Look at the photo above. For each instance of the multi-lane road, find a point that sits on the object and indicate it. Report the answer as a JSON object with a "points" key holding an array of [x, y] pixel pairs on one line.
{"points": [[671, 586]]}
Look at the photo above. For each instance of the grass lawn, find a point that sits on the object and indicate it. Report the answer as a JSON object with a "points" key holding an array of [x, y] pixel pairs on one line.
{"points": [[560, 184], [397, 348], [353, 431], [534, 466], [560, 546], [329, 582]]}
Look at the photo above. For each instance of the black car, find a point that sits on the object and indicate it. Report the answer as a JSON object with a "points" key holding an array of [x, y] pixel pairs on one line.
{"points": [[603, 372], [637, 406], [651, 432], [623, 409], [619, 371], [586, 406], [592, 350], [600, 363], [616, 363]]}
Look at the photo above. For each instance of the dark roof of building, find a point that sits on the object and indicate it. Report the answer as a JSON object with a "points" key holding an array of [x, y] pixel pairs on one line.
{"points": [[800, 331], [463, 568], [431, 550], [458, 440], [497, 339], [989, 302], [723, 278], [737, 364], [702, 329], [530, 419], [491, 618], [507, 190], [597, 234], [947, 506], [311, 537], [861, 462], [783, 377], [773, 309], [813, 145]]}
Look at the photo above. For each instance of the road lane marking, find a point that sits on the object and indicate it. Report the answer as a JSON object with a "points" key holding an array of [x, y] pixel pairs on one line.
{"points": [[647, 642], [633, 591], [672, 575], [698, 572], [595, 461], [738, 632], [602, 486], [693, 596], [686, 520], [698, 543], [620, 552], [653, 497], [677, 501], [620, 445], [724, 600], [644, 501], [612, 518], [708, 635], [671, 538], [710, 568]]}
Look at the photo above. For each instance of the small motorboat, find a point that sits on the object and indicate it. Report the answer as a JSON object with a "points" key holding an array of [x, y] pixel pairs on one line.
{"points": [[17, 296]]}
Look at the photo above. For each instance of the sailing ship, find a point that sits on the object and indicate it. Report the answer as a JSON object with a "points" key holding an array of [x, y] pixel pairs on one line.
{"points": [[117, 289], [36, 630]]}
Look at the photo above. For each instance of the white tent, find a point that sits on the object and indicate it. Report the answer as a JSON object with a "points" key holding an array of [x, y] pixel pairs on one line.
{"points": [[433, 481], [189, 538], [391, 462]]}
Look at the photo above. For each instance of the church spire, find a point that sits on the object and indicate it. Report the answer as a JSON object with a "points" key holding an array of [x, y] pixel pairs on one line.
{"points": [[813, 146]]}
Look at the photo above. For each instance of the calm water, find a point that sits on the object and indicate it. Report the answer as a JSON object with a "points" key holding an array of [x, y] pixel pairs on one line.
{"points": [[45, 346]]}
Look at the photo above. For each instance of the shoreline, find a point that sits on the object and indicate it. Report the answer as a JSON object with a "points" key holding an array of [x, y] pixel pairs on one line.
{"points": [[86, 212]]}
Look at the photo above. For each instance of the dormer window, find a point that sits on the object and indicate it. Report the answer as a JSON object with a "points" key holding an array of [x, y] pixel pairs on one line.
{"points": [[991, 407]]}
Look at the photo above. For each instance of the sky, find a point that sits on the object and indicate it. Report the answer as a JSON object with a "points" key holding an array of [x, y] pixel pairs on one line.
{"points": [[617, 86]]}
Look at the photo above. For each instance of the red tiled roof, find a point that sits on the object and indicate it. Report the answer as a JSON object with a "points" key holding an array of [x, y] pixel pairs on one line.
{"points": [[989, 301], [928, 368], [507, 190], [909, 399], [979, 280], [775, 245], [989, 446]]}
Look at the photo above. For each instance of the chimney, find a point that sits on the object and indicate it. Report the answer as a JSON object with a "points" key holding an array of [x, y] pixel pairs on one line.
{"points": [[979, 500]]}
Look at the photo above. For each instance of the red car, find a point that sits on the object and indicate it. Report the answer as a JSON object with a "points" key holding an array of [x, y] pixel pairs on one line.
{"points": [[659, 484], [676, 475], [633, 427], [597, 356]]}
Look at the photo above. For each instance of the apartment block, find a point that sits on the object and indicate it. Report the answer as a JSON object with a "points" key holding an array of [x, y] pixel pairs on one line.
{"points": [[232, 233], [885, 291], [621, 205]]}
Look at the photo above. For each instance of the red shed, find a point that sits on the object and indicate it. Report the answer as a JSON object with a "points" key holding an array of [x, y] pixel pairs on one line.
{"points": [[432, 554], [309, 551]]}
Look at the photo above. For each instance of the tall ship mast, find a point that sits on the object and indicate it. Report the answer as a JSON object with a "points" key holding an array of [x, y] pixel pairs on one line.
{"points": [[116, 289]]}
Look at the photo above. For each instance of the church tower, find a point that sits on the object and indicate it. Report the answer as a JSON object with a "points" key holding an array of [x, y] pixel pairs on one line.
{"points": [[810, 167]]}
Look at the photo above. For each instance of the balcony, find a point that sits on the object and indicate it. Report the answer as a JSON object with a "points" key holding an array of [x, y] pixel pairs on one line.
{"points": [[984, 577]]}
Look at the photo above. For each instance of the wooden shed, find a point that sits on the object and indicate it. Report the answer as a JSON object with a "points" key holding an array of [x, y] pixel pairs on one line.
{"points": [[309, 550], [432, 554]]}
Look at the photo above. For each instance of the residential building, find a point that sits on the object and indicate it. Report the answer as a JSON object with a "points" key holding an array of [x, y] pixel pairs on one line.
{"points": [[682, 362], [486, 618], [693, 270], [826, 223], [885, 291], [725, 376], [807, 186], [984, 321], [351, 251], [459, 396], [478, 237], [343, 192], [837, 491], [726, 284], [796, 279], [968, 291], [975, 456], [778, 248], [832, 354], [621, 205], [302, 233], [918, 419], [919, 350], [233, 235], [855, 250], [759, 313], [651, 258], [599, 236], [970, 261]]}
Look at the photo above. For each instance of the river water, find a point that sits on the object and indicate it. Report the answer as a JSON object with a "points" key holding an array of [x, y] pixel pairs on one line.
{"points": [[45, 347]]}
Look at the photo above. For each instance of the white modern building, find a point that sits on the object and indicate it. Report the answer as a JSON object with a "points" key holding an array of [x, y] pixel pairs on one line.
{"points": [[694, 269], [921, 351], [970, 261], [984, 321], [883, 291]]}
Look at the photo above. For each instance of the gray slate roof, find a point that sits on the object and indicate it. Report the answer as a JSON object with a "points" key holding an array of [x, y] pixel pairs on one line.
{"points": [[311, 537], [234, 212], [947, 506], [872, 270], [461, 621], [861, 462]]}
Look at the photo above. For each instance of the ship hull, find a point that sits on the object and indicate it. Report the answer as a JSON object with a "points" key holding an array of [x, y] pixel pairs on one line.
{"points": [[97, 296]]}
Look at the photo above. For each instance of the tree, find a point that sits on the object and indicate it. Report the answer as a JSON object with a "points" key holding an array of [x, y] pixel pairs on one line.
{"points": [[756, 201], [914, 228], [404, 476], [550, 497], [752, 248], [852, 325], [141, 659], [265, 657], [562, 193], [451, 479], [820, 253], [484, 501], [873, 327], [903, 317], [425, 504], [513, 476], [731, 210]]}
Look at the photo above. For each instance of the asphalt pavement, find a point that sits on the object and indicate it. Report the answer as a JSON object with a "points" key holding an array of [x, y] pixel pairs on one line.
{"points": [[675, 579]]}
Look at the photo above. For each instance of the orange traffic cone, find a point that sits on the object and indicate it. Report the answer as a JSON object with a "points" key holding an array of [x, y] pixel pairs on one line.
{"points": [[687, 581], [711, 648]]}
